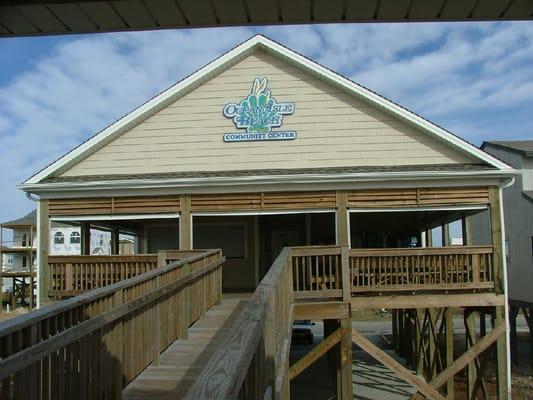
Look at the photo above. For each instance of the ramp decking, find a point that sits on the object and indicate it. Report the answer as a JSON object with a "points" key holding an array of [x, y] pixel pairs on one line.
{"points": [[182, 362]]}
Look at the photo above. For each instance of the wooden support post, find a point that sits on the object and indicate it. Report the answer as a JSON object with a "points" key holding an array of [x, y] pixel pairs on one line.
{"points": [[115, 241], [501, 358], [466, 227], [343, 223], [528, 314], [346, 360], [450, 386], [433, 344], [419, 341], [330, 326], [185, 223], [497, 239], [85, 234], [43, 273], [470, 337], [30, 263], [513, 313], [482, 323], [429, 238], [446, 238]]}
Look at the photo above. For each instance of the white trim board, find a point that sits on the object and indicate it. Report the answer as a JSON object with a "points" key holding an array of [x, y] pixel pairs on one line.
{"points": [[225, 61], [267, 212], [114, 217], [473, 207]]}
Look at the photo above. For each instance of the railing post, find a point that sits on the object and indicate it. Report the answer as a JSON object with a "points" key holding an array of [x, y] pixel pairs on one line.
{"points": [[118, 347], [68, 277], [346, 385], [156, 345], [345, 274], [185, 307]]}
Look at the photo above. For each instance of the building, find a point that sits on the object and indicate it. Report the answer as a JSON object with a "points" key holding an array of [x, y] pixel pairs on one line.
{"points": [[518, 211], [18, 246], [264, 148]]}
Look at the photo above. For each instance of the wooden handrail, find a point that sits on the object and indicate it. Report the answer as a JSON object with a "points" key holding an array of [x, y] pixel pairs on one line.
{"points": [[70, 275], [268, 318], [419, 251], [324, 272], [411, 269], [120, 328]]}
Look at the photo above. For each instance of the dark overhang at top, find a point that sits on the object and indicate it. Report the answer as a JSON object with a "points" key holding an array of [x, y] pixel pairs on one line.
{"points": [[38, 17], [522, 147]]}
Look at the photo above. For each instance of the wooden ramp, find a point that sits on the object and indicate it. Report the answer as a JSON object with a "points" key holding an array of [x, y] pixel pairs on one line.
{"points": [[183, 361]]}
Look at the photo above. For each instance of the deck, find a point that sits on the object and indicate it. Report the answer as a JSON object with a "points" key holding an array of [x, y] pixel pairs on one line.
{"points": [[183, 361]]}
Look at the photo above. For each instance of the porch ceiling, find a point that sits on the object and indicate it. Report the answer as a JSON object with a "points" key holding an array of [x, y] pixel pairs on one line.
{"points": [[38, 17]]}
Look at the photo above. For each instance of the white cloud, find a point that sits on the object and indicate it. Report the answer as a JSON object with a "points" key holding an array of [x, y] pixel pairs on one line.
{"points": [[462, 75]]}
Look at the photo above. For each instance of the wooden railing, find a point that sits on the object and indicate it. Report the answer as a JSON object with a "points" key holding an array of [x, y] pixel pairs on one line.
{"points": [[92, 345], [73, 275], [445, 268], [252, 362], [318, 271]]}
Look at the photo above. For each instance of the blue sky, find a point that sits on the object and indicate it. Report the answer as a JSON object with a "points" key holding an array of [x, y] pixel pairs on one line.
{"points": [[475, 79]]}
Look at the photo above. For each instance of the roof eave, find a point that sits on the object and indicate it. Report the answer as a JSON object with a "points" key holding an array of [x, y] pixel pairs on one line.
{"points": [[266, 180]]}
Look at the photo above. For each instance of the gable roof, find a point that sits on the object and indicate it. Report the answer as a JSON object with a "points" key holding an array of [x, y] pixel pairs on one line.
{"points": [[227, 60], [29, 219], [523, 147]]}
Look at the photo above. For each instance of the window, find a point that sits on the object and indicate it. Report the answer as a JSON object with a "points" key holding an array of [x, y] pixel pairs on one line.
{"points": [[59, 238], [24, 240], [24, 262], [75, 238]]}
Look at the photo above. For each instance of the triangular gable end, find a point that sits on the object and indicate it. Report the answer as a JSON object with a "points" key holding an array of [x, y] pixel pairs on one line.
{"points": [[228, 60]]}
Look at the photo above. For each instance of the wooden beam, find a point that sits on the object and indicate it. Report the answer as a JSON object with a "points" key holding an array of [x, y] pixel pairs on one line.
{"points": [[467, 357], [435, 300], [393, 365], [321, 310], [303, 363]]}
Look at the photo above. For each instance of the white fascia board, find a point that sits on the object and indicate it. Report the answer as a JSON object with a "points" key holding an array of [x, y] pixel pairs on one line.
{"points": [[233, 56], [268, 179]]}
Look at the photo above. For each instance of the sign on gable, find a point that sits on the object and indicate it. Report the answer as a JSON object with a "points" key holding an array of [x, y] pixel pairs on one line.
{"points": [[258, 113]]}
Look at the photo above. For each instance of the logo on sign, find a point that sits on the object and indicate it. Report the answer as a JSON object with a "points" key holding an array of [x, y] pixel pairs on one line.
{"points": [[258, 113]]}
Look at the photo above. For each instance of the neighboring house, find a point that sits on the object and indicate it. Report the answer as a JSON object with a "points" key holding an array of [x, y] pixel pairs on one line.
{"points": [[18, 241], [18, 244], [518, 212]]}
